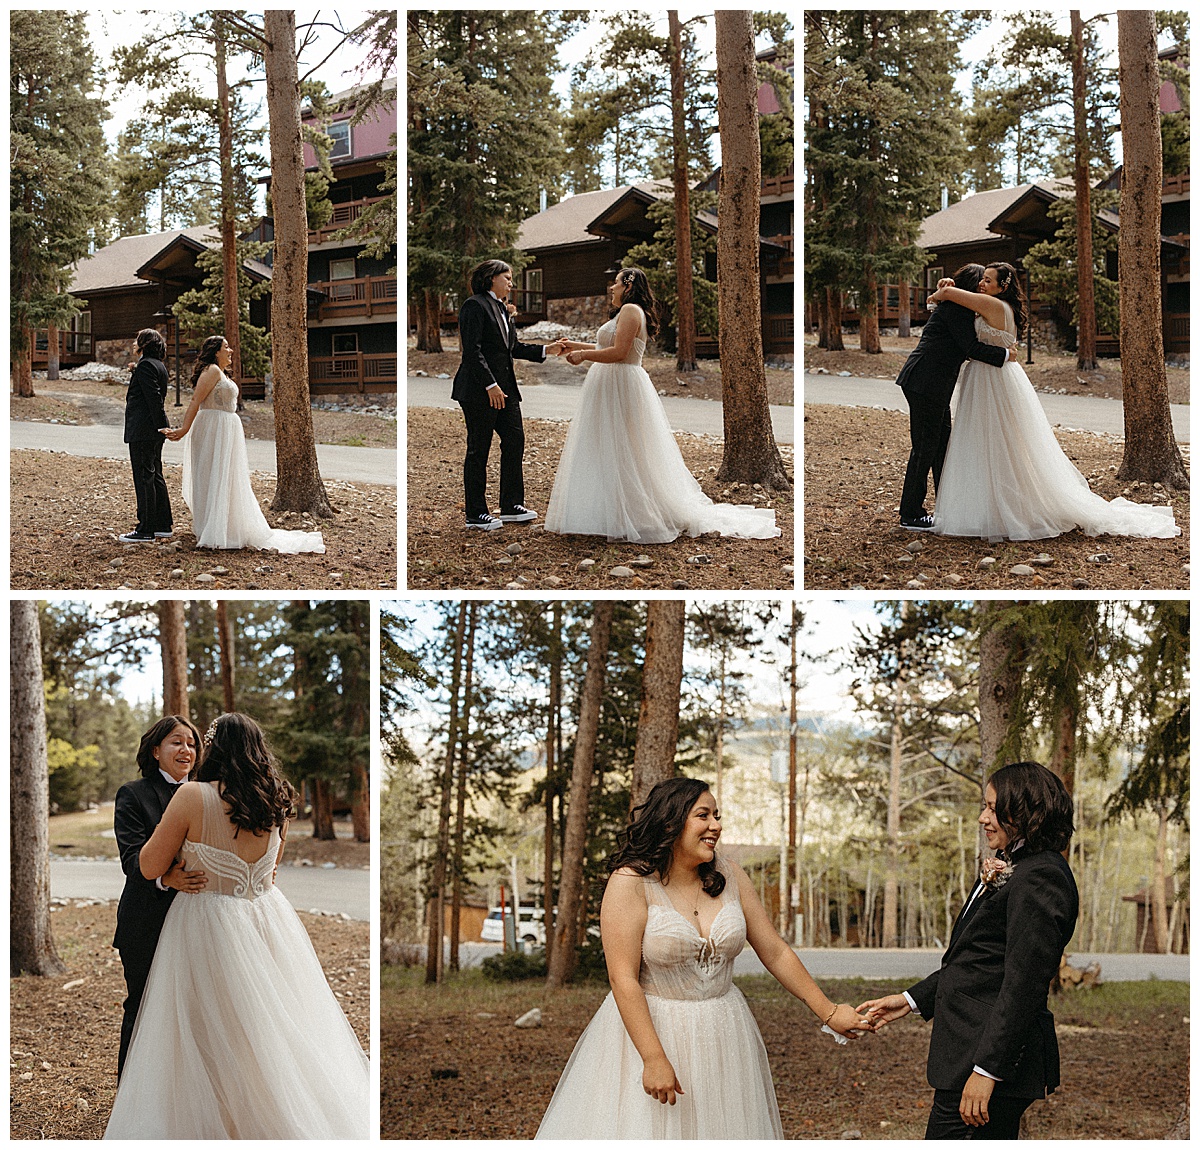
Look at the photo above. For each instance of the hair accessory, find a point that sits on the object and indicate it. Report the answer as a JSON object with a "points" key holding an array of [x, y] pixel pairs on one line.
{"points": [[212, 730]]}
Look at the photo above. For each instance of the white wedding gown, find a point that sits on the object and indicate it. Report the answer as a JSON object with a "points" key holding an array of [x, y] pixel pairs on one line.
{"points": [[707, 1032], [1006, 477], [621, 474], [216, 483], [239, 1035]]}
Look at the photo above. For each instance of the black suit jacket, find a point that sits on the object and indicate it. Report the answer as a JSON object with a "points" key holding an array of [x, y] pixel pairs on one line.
{"points": [[488, 351], [987, 1002], [947, 340], [144, 410], [143, 907]]}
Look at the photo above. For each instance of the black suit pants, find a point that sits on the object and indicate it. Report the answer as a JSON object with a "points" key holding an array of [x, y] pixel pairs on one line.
{"points": [[1004, 1118], [153, 502], [482, 421], [136, 961], [929, 432]]}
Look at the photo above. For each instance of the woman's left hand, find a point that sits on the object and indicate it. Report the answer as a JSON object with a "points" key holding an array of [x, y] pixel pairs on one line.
{"points": [[173, 433], [847, 1021], [935, 297], [575, 358]]}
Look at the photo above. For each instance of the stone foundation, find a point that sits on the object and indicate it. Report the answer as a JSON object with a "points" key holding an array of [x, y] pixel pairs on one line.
{"points": [[115, 352], [585, 311]]}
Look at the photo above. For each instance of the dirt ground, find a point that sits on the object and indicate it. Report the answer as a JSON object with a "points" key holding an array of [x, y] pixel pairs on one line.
{"points": [[702, 384], [63, 1039], [1050, 371], [455, 1067], [443, 554], [854, 470], [66, 513]]}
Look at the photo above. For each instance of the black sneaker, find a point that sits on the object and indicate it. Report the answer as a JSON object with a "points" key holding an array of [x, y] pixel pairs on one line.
{"points": [[921, 523], [518, 514], [484, 522], [136, 537], [164, 535]]}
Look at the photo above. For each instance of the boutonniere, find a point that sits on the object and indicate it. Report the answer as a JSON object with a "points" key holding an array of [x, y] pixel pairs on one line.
{"points": [[996, 872]]}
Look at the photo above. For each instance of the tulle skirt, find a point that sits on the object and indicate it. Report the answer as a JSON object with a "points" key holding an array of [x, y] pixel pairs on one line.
{"points": [[216, 488], [621, 474], [719, 1058], [239, 1035], [1006, 477]]}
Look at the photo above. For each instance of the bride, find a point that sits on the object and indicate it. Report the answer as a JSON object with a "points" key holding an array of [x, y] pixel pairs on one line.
{"points": [[674, 1052], [216, 473], [621, 474], [238, 1034], [1005, 476]]}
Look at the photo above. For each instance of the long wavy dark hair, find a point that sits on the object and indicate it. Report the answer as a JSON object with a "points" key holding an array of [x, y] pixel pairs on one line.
{"points": [[1011, 294], [236, 756], [1032, 803], [637, 290], [645, 844], [146, 761], [207, 355]]}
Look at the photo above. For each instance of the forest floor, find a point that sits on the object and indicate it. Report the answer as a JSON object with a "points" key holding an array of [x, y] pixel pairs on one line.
{"points": [[854, 469], [63, 1038], [455, 1067], [443, 554], [89, 834], [66, 513], [1051, 371]]}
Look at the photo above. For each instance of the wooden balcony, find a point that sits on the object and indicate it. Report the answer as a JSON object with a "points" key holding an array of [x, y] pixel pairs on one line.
{"points": [[367, 295], [784, 185], [783, 268], [363, 373], [343, 216], [1179, 185], [74, 348]]}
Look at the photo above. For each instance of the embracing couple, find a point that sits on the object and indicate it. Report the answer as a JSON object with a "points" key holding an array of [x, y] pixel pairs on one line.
{"points": [[1000, 473], [675, 1053], [621, 474], [229, 1029]]}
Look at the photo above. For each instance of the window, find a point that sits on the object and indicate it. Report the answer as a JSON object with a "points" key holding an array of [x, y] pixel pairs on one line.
{"points": [[80, 339], [533, 279], [339, 132], [342, 270], [932, 275], [345, 343]]}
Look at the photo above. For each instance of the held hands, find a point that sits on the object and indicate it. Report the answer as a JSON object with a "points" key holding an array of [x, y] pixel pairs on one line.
{"points": [[172, 433], [575, 358], [881, 1011], [1012, 353], [558, 347], [973, 1107], [189, 881], [660, 1081], [847, 1022]]}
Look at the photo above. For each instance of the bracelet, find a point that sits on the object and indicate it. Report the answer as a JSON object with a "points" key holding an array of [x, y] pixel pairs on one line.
{"points": [[831, 1014]]}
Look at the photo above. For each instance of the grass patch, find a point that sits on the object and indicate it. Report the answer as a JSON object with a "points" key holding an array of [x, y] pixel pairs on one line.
{"points": [[84, 834]]}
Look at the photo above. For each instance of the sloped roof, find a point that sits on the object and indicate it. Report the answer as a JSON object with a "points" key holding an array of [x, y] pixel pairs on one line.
{"points": [[967, 221], [566, 222]]}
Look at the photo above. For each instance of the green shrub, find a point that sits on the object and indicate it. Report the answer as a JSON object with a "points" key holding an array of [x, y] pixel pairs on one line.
{"points": [[514, 966]]}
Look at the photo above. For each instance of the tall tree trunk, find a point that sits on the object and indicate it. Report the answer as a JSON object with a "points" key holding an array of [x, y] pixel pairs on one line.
{"points": [[868, 314], [1151, 453], [553, 785], [298, 484], [433, 954], [323, 811], [52, 363], [30, 940], [822, 308], [658, 720], [1065, 737], [356, 678], [460, 810], [225, 638], [833, 301], [1001, 664], [1085, 268], [22, 367], [570, 884], [172, 633], [433, 320], [891, 881], [685, 314], [1158, 887], [751, 455], [719, 742], [904, 323], [230, 308]]}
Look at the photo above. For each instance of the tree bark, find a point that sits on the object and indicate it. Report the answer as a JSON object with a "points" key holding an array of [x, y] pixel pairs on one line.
{"points": [[30, 940], [1000, 665], [868, 314], [751, 455], [904, 323], [299, 486], [357, 686], [230, 308], [1085, 268], [1158, 888], [833, 301], [22, 368], [685, 314], [552, 780], [225, 638], [891, 880], [460, 811], [433, 954], [52, 363], [173, 639], [570, 887], [433, 320], [323, 811], [1151, 453], [658, 719]]}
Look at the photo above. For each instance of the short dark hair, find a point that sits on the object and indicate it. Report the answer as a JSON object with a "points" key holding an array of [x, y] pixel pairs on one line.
{"points": [[146, 761], [150, 342], [968, 276], [483, 274], [1032, 803], [645, 844]]}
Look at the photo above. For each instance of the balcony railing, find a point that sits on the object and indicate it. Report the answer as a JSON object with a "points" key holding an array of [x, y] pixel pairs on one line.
{"points": [[784, 185], [357, 371], [343, 216], [74, 347], [367, 295]]}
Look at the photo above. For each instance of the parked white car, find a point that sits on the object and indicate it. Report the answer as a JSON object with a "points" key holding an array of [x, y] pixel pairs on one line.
{"points": [[530, 926]]}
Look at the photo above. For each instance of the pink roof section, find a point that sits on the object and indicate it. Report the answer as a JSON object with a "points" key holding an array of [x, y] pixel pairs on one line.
{"points": [[1168, 98]]}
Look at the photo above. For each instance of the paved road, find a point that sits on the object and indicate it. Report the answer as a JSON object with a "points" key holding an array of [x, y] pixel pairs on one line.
{"points": [[307, 888], [104, 441], [557, 401], [1076, 412]]}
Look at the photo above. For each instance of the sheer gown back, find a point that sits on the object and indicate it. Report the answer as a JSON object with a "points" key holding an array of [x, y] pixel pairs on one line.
{"points": [[704, 1025], [621, 474], [239, 1035], [1005, 475], [216, 483]]}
